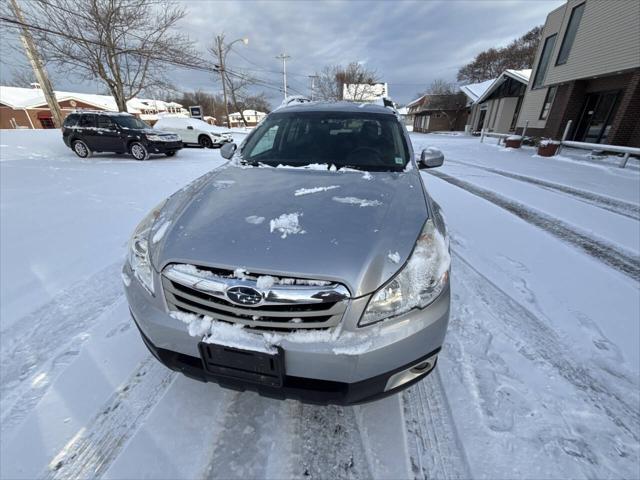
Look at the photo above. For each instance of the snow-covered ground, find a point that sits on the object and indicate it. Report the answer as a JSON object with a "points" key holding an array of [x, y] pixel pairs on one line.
{"points": [[539, 377]]}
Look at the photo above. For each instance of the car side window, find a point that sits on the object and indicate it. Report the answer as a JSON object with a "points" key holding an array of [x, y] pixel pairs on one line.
{"points": [[87, 121], [266, 142], [71, 120], [105, 122]]}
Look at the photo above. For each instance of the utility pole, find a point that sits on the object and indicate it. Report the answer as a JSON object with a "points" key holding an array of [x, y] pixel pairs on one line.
{"points": [[38, 67], [313, 85], [284, 57], [219, 40]]}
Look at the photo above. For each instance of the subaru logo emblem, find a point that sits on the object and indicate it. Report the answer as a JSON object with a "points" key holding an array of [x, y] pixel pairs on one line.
{"points": [[244, 295]]}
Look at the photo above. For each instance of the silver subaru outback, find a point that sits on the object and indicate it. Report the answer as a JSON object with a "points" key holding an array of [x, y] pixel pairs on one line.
{"points": [[312, 265]]}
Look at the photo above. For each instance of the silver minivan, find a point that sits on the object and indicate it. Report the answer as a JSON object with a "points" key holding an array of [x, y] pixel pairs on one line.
{"points": [[312, 265]]}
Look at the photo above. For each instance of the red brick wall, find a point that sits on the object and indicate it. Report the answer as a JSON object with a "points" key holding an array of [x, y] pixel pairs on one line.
{"points": [[625, 128]]}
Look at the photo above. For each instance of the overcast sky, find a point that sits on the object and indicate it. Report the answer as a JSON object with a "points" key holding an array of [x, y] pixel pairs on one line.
{"points": [[408, 43]]}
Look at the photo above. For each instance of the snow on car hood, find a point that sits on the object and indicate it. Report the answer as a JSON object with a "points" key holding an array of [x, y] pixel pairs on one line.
{"points": [[352, 227]]}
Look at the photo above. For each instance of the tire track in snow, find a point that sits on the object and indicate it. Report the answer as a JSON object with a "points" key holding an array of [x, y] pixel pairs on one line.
{"points": [[539, 341], [269, 438], [620, 207], [90, 452], [435, 450], [34, 349], [331, 443], [605, 252], [255, 439]]}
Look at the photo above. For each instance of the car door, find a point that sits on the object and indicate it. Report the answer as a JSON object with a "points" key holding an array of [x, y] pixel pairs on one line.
{"points": [[108, 136], [86, 131], [189, 133]]}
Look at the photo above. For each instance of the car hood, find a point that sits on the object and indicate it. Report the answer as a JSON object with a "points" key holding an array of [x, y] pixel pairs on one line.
{"points": [[354, 228], [153, 131]]}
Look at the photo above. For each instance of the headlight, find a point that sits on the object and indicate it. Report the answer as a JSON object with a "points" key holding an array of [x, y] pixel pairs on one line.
{"points": [[154, 138], [139, 255], [418, 284]]}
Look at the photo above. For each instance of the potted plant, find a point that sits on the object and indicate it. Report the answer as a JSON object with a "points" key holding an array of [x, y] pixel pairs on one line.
{"points": [[548, 147], [513, 141]]}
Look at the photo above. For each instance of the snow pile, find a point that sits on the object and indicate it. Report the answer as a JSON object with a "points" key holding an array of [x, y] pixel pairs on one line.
{"points": [[240, 273], [311, 166], [287, 224], [265, 281], [307, 191], [357, 201], [547, 142], [192, 270], [367, 176], [514, 138], [254, 220], [394, 257], [198, 326], [160, 232]]}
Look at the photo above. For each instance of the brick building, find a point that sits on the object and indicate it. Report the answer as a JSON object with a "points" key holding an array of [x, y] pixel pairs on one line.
{"points": [[587, 70], [437, 113]]}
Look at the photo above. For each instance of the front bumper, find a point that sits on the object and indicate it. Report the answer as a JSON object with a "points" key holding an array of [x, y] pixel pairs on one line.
{"points": [[359, 364], [221, 141], [163, 147]]}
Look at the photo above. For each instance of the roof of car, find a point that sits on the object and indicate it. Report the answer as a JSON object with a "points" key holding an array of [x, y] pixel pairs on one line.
{"points": [[348, 107], [102, 112]]}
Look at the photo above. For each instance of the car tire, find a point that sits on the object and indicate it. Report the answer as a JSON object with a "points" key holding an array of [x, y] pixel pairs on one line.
{"points": [[205, 142], [81, 149], [170, 154], [139, 151]]}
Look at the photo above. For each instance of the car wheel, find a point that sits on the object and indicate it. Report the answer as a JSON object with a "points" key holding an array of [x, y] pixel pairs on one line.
{"points": [[170, 154], [205, 142], [81, 149], [139, 151]]}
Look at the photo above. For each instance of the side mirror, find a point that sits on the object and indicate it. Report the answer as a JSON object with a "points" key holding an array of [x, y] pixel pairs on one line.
{"points": [[189, 127], [431, 157], [228, 149]]}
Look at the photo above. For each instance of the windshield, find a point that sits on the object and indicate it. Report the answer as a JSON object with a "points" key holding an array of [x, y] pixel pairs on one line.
{"points": [[357, 140], [126, 121]]}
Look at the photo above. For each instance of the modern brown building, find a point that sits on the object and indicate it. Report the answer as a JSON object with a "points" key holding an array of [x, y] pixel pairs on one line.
{"points": [[587, 70], [437, 113], [495, 104]]}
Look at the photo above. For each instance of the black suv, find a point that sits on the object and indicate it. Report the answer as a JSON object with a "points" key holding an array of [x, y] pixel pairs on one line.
{"points": [[88, 132]]}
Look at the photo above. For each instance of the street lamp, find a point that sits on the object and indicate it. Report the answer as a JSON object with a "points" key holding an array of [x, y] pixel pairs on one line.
{"points": [[221, 56]]}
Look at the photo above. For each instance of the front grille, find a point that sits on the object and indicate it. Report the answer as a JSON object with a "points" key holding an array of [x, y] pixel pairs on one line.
{"points": [[289, 304]]}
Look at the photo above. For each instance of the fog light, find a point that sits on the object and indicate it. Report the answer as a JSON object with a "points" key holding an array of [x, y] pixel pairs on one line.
{"points": [[411, 373], [421, 368]]}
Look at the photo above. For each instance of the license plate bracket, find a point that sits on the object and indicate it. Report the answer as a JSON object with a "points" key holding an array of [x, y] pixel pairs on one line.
{"points": [[234, 363]]}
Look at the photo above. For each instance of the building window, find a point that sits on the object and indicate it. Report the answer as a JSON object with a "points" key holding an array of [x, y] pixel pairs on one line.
{"points": [[570, 34], [548, 101], [46, 122], [543, 64]]}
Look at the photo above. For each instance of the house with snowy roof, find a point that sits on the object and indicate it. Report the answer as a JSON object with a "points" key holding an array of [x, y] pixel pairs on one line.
{"points": [[495, 104], [438, 112], [27, 107]]}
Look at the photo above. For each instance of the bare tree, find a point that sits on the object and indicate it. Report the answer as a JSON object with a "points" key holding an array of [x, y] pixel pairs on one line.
{"points": [[332, 79], [125, 43], [519, 54], [439, 86], [22, 77]]}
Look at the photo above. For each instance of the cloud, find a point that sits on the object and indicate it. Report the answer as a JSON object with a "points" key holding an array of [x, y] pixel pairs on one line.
{"points": [[408, 43]]}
